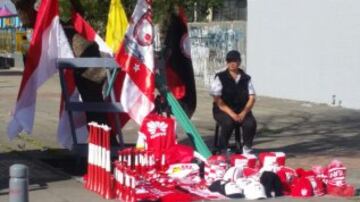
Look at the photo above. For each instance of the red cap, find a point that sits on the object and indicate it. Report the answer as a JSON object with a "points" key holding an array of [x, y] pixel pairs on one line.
{"points": [[345, 190], [287, 175], [247, 172], [216, 159], [301, 188]]}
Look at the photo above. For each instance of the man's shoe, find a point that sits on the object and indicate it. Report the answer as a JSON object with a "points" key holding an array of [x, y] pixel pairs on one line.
{"points": [[247, 150]]}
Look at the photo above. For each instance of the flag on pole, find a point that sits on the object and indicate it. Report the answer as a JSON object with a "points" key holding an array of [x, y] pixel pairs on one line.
{"points": [[84, 29], [136, 58], [115, 31], [116, 25], [179, 69], [40, 65]]}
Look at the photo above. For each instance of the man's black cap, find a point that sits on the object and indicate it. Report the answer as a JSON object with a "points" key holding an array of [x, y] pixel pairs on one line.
{"points": [[233, 55]]}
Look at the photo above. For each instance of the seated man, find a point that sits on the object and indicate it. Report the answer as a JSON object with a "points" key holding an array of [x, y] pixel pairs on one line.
{"points": [[234, 97]]}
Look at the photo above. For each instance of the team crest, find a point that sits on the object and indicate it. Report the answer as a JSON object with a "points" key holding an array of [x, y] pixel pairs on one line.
{"points": [[157, 128], [185, 46], [144, 30]]}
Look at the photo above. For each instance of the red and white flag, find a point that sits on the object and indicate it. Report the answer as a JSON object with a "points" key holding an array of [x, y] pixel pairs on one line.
{"points": [[40, 65], [64, 130], [85, 30], [135, 57]]}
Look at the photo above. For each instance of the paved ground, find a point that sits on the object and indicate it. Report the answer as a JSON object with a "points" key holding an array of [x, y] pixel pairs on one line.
{"points": [[309, 133]]}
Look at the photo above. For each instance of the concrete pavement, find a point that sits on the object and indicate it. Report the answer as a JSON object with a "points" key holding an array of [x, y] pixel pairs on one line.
{"points": [[308, 133]]}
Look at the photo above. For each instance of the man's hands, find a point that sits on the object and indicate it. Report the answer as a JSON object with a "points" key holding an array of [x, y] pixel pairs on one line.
{"points": [[241, 116], [236, 117]]}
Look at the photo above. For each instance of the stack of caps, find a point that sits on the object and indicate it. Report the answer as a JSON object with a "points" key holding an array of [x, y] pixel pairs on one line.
{"points": [[215, 169]]}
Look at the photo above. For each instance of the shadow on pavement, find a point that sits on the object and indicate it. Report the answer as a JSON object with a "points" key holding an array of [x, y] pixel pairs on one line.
{"points": [[333, 135], [44, 167], [11, 72], [303, 134]]}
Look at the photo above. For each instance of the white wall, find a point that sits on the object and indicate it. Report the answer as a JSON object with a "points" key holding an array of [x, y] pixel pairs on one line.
{"points": [[305, 49]]}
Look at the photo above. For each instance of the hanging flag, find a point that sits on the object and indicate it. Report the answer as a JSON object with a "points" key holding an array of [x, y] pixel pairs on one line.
{"points": [[179, 69], [85, 30], [115, 31], [135, 57], [40, 65], [116, 25], [64, 131]]}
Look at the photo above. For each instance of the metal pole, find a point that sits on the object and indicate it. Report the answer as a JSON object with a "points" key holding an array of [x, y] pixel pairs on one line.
{"points": [[18, 183]]}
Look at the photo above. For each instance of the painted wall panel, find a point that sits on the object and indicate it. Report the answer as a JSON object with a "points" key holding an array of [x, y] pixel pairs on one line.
{"points": [[305, 50]]}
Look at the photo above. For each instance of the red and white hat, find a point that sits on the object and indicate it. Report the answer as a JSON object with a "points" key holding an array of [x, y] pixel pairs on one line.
{"points": [[319, 172], [243, 160], [287, 175], [280, 157], [215, 168], [336, 173]]}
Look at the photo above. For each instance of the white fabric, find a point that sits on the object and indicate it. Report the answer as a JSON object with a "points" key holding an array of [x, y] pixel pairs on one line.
{"points": [[233, 173], [232, 188], [252, 188], [52, 38]]}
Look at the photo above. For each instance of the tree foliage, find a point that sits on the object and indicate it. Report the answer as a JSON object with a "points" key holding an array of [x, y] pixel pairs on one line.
{"points": [[96, 11]]}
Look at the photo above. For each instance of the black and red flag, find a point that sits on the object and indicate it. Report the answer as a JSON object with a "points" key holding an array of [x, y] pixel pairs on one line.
{"points": [[179, 69]]}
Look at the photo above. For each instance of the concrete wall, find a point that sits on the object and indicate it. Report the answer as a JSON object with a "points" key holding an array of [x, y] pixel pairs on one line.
{"points": [[210, 43], [305, 50]]}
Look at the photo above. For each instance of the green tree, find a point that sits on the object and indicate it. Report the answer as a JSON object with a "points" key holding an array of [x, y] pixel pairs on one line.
{"points": [[96, 11]]}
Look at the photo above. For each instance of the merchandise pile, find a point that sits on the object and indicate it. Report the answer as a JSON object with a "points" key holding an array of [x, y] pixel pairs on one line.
{"points": [[178, 173]]}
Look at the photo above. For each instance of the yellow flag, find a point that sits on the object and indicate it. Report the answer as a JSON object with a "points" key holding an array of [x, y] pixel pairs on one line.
{"points": [[116, 26]]}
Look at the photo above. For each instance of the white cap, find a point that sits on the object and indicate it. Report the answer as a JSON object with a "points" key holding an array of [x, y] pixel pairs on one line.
{"points": [[233, 173], [231, 188], [252, 189], [181, 170]]}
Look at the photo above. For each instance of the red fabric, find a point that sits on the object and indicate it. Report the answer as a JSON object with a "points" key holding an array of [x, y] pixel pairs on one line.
{"points": [[159, 133], [301, 188], [179, 154], [143, 77], [179, 197], [287, 176], [82, 27], [345, 190], [317, 185], [176, 85], [47, 12], [248, 172]]}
